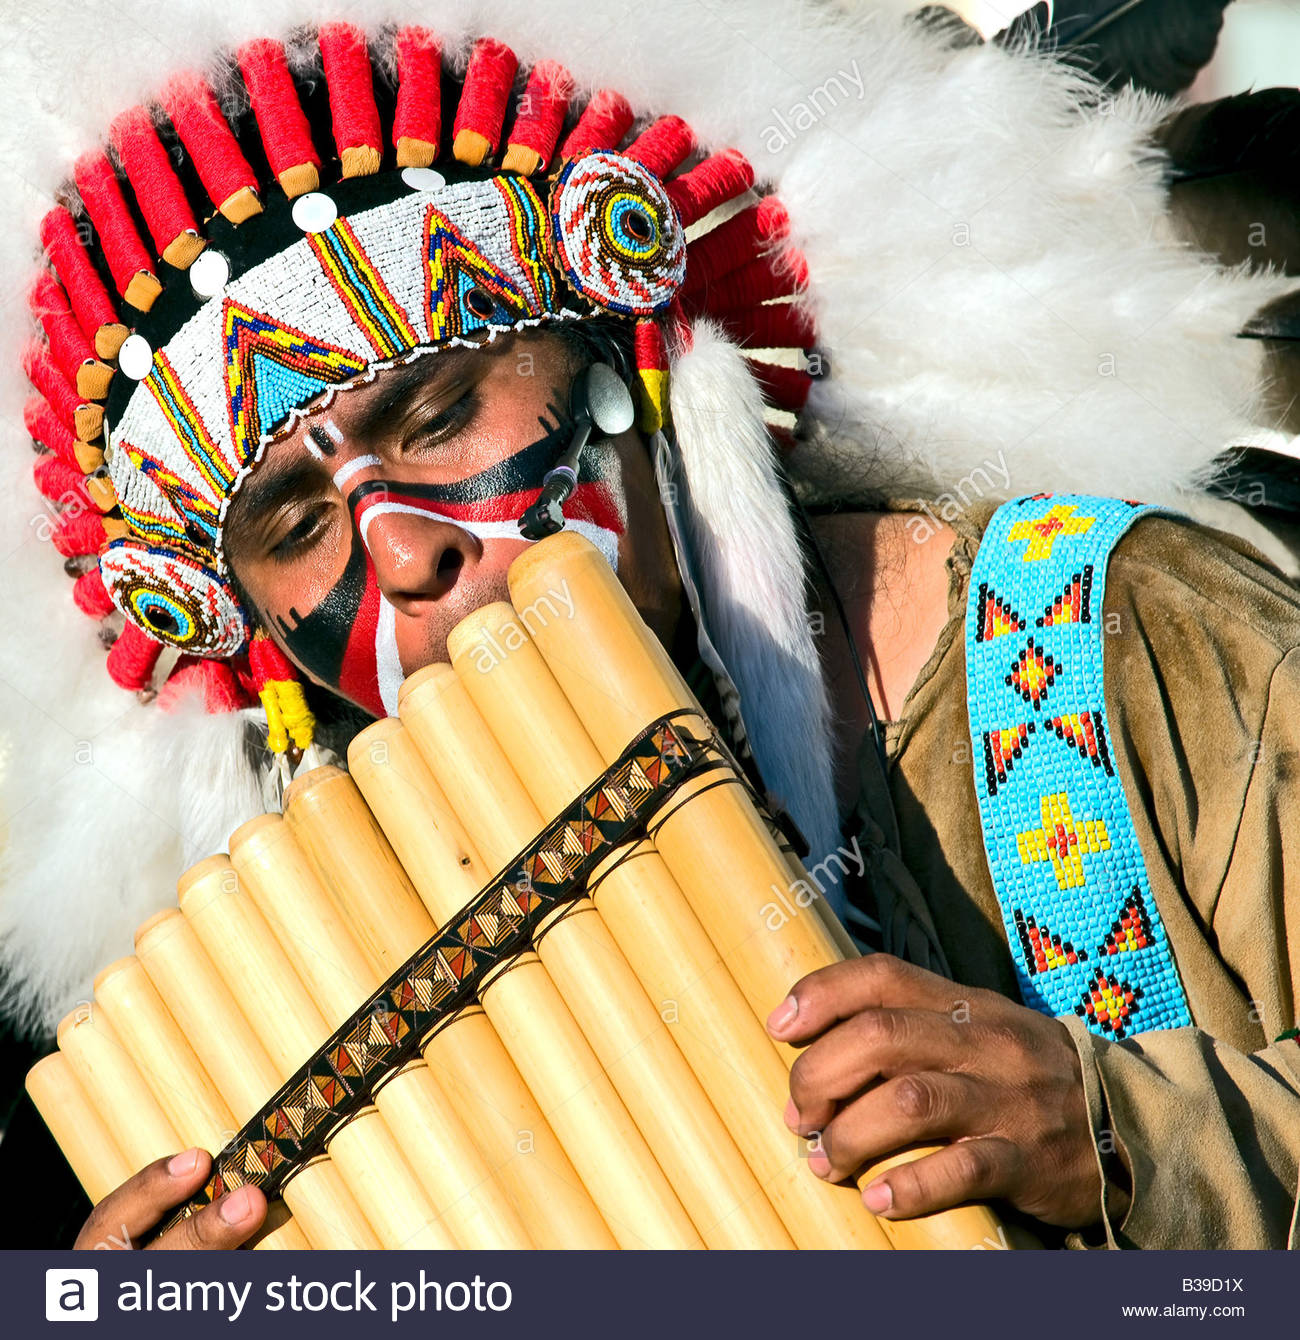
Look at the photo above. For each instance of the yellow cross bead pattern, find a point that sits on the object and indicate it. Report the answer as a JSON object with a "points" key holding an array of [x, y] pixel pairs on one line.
{"points": [[1063, 841], [1043, 532]]}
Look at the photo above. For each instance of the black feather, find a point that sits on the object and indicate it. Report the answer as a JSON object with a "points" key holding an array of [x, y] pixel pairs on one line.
{"points": [[1159, 45], [1279, 320], [1264, 481], [1234, 174]]}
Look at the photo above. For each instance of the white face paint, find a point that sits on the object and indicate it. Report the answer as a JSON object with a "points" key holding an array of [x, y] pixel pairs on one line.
{"points": [[345, 472]]}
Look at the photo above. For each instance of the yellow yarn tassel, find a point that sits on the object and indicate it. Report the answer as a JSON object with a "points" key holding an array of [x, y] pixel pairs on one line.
{"points": [[287, 715]]}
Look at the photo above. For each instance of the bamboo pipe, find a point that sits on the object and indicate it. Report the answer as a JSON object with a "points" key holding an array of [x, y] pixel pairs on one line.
{"points": [[157, 1048], [193, 990], [618, 677], [331, 963], [77, 1126], [107, 1080], [625, 1031], [327, 812], [287, 1023], [116, 1088], [560, 1068], [637, 898], [165, 1061]]}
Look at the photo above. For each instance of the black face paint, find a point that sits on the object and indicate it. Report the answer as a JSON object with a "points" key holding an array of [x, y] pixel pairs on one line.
{"points": [[336, 641], [322, 440]]}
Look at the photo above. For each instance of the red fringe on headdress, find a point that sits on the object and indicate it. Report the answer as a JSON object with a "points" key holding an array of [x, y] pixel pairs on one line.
{"points": [[780, 325], [481, 110], [78, 532], [602, 125], [353, 113], [286, 135], [126, 254], [44, 428], [46, 377], [59, 481], [663, 145], [224, 171], [719, 178], [215, 680], [132, 658], [91, 303], [68, 343], [747, 236], [91, 596], [783, 387], [155, 185], [417, 119], [540, 116]]}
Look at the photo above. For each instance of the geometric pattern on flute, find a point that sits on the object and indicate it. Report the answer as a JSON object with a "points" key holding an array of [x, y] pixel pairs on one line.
{"points": [[445, 974]]}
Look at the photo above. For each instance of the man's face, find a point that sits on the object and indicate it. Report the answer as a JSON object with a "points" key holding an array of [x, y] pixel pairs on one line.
{"points": [[363, 537]]}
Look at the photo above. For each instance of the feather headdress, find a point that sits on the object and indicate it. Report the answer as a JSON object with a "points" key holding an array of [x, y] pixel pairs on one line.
{"points": [[971, 242]]}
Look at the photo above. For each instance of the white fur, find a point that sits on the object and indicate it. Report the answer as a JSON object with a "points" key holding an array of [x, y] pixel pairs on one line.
{"points": [[752, 578], [943, 356], [105, 801]]}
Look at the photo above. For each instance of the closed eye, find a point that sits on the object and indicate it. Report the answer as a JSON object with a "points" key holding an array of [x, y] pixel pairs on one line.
{"points": [[446, 423], [300, 536]]}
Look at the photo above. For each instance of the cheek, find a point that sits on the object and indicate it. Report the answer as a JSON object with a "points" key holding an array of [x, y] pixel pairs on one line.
{"points": [[598, 507], [333, 626]]}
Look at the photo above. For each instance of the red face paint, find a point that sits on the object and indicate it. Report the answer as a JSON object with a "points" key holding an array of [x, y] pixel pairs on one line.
{"points": [[348, 640]]}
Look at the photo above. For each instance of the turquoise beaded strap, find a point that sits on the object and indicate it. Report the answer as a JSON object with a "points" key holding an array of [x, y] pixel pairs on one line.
{"points": [[1083, 926]]}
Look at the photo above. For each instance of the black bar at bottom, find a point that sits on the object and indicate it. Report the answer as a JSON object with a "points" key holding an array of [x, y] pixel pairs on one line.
{"points": [[678, 1296]]}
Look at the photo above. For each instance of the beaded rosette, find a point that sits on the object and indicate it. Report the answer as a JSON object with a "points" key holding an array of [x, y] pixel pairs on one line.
{"points": [[1084, 930]]}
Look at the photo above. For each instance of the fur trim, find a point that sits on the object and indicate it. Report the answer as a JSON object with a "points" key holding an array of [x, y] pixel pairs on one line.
{"points": [[106, 801], [752, 580]]}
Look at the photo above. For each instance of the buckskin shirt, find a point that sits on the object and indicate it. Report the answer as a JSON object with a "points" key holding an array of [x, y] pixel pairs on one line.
{"points": [[1202, 685]]}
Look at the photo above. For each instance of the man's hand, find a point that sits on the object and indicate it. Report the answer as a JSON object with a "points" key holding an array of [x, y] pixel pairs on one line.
{"points": [[896, 1056], [128, 1213]]}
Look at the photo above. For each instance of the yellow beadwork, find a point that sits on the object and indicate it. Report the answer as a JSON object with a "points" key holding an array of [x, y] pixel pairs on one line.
{"points": [[1043, 531], [1063, 841]]}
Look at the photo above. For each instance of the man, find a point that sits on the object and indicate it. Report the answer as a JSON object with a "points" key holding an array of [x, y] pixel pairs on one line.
{"points": [[346, 507]]}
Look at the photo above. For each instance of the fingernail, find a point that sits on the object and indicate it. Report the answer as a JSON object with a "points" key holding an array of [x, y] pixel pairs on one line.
{"points": [[791, 1114], [819, 1163], [878, 1197], [181, 1165], [235, 1208], [783, 1016]]}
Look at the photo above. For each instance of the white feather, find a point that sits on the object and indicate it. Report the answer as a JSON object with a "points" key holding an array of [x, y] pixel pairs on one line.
{"points": [[105, 801], [752, 577]]}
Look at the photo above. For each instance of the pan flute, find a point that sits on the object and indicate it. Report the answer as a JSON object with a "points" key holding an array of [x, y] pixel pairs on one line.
{"points": [[501, 984]]}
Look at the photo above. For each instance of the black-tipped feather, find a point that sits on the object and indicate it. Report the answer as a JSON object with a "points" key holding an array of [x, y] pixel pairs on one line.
{"points": [[1156, 44], [1265, 481], [1234, 168]]}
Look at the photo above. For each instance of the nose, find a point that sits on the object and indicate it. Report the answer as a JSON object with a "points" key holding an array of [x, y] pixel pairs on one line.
{"points": [[418, 557]]}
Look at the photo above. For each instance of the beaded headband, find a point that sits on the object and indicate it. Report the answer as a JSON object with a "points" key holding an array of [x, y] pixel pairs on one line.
{"points": [[165, 372]]}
